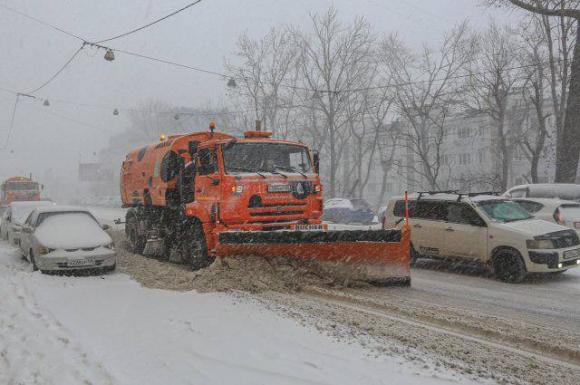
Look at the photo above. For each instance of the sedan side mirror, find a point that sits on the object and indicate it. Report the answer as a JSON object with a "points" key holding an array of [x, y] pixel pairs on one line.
{"points": [[105, 227]]}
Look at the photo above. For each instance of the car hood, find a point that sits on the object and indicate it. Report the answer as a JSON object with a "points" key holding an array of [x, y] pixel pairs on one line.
{"points": [[56, 233], [534, 227]]}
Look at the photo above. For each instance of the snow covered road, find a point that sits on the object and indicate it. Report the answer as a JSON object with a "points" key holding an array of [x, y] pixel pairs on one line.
{"points": [[110, 330]]}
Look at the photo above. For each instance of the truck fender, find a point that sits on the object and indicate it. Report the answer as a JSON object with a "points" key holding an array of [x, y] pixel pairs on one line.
{"points": [[196, 210]]}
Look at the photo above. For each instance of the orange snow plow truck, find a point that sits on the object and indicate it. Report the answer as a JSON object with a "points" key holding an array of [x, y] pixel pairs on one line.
{"points": [[203, 195]]}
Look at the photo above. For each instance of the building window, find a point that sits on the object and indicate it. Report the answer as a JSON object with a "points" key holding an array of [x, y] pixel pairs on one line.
{"points": [[481, 156], [464, 132], [464, 159]]}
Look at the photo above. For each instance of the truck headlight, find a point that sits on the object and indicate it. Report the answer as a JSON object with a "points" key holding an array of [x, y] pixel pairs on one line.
{"points": [[534, 244]]}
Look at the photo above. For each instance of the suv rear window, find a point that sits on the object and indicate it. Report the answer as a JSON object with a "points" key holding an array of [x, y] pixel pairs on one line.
{"points": [[423, 209]]}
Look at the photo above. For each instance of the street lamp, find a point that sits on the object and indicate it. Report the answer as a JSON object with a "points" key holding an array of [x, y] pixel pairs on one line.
{"points": [[109, 55]]}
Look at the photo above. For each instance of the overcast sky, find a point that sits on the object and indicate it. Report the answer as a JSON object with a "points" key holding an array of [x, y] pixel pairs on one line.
{"points": [[57, 137]]}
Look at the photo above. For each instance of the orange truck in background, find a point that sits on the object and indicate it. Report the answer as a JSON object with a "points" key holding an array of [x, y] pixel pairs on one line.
{"points": [[203, 195], [18, 188]]}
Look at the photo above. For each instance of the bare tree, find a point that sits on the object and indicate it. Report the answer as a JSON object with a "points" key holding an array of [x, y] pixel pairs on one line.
{"points": [[334, 63], [426, 91], [536, 83], [568, 152], [150, 119], [491, 85], [268, 68]]}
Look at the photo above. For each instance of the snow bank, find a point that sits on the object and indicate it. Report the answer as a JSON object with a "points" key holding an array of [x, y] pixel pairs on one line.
{"points": [[110, 330]]}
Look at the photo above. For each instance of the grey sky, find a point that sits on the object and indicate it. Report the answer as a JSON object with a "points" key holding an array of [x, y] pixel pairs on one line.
{"points": [[201, 36]]}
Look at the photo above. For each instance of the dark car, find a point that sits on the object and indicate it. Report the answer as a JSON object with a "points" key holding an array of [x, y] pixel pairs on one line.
{"points": [[343, 210]]}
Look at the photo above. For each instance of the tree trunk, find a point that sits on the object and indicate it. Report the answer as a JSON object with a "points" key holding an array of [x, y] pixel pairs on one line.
{"points": [[567, 162], [534, 167]]}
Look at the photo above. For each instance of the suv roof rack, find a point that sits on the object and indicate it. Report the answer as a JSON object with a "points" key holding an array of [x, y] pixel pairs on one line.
{"points": [[459, 195]]}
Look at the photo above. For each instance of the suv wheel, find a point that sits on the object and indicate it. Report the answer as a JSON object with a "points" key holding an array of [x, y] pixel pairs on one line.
{"points": [[508, 266]]}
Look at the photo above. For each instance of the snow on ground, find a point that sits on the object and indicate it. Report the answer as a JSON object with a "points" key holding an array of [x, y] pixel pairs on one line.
{"points": [[110, 330]]}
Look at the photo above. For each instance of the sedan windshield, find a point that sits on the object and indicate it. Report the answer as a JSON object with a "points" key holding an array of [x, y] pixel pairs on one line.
{"points": [[266, 157], [504, 210]]}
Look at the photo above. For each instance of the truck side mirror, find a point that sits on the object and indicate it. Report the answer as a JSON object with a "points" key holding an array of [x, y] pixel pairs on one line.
{"points": [[316, 159]]}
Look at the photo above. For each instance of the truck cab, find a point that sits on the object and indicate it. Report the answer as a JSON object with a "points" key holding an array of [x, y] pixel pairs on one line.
{"points": [[224, 183]]}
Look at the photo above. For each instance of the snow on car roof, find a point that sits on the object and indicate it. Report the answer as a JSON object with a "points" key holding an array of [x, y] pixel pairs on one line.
{"points": [[549, 201], [338, 203], [56, 208], [31, 203], [551, 190]]}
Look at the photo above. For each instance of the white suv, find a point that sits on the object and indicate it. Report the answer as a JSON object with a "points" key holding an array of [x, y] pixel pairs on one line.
{"points": [[485, 228]]}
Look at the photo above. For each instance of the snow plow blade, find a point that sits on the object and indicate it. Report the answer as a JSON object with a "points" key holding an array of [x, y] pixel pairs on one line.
{"points": [[371, 255]]}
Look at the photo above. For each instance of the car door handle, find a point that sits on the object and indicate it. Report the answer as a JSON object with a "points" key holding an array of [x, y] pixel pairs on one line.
{"points": [[418, 226], [449, 229]]}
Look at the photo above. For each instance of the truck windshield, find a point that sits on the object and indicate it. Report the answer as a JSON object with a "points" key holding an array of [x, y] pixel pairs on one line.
{"points": [[504, 210], [21, 186], [266, 157]]}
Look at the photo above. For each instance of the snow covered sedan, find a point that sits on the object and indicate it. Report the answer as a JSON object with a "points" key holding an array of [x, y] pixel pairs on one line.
{"points": [[565, 213], [61, 238], [15, 215], [343, 210]]}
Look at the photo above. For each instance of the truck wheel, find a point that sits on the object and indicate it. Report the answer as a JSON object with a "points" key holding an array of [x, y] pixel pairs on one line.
{"points": [[136, 241], [195, 249], [508, 266]]}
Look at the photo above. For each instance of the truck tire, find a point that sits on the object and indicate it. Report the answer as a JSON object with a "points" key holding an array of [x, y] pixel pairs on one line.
{"points": [[136, 241], [508, 266], [194, 250]]}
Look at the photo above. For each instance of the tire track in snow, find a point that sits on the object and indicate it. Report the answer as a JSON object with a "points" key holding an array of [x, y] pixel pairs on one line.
{"points": [[34, 346]]}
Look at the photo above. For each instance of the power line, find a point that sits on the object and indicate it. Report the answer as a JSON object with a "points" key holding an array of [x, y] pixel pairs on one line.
{"points": [[11, 125], [62, 68], [41, 22], [175, 64], [151, 23]]}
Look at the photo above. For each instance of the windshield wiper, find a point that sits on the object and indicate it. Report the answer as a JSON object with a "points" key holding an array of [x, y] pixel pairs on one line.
{"points": [[245, 169], [293, 169], [273, 171], [516, 219]]}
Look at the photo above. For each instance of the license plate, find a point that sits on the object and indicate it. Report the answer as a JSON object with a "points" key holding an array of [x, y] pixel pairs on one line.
{"points": [[80, 262], [279, 188], [570, 254], [310, 227]]}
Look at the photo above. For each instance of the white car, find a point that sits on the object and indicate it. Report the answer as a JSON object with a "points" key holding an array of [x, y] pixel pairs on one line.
{"points": [[564, 191], [15, 215], [489, 229], [66, 238], [565, 213]]}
